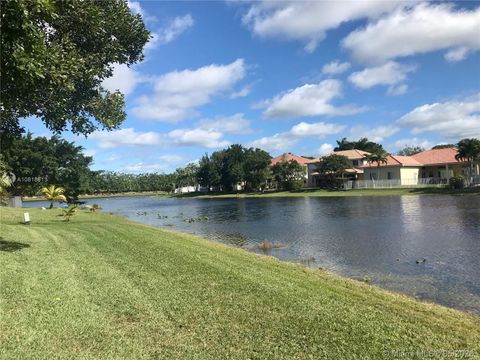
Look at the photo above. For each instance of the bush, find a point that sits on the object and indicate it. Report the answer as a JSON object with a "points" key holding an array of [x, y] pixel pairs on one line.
{"points": [[293, 185], [331, 183], [456, 182]]}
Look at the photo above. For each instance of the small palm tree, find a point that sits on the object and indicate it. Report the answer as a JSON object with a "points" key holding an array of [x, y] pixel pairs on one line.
{"points": [[68, 213], [469, 150], [379, 156], [53, 193]]}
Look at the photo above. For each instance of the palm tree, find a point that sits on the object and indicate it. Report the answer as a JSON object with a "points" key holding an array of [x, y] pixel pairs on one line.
{"points": [[379, 156], [469, 150], [53, 193]]}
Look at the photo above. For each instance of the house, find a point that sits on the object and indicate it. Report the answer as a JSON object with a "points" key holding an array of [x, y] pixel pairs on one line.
{"points": [[356, 158], [434, 166], [289, 157], [440, 163], [405, 169]]}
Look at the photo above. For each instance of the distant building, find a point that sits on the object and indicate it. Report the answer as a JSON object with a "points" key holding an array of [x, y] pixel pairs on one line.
{"points": [[356, 158], [431, 166], [289, 157]]}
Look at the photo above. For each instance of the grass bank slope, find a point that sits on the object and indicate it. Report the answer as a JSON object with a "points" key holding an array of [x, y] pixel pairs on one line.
{"points": [[101, 287]]}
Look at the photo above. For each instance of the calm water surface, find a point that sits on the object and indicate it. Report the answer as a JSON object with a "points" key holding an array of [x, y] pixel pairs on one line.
{"points": [[380, 237]]}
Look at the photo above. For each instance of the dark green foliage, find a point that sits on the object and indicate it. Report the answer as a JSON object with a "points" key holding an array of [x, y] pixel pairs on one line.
{"points": [[37, 162], [333, 165], [289, 175], [112, 182], [55, 55], [362, 144], [187, 176], [410, 150], [332, 170], [444, 146], [456, 182], [224, 169], [378, 157], [469, 151]]}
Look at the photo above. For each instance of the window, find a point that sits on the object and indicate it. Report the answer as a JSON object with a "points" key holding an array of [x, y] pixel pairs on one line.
{"points": [[355, 162], [389, 175]]}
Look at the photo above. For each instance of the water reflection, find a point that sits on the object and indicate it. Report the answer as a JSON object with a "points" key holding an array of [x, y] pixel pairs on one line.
{"points": [[378, 237]]}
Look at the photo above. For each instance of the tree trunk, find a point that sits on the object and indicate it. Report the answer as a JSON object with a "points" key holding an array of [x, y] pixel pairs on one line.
{"points": [[51, 205]]}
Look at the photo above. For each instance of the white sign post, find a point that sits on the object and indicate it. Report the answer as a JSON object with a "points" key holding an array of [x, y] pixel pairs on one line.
{"points": [[26, 218]]}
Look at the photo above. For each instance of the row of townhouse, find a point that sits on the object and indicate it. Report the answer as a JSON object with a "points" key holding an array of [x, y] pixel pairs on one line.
{"points": [[427, 167]]}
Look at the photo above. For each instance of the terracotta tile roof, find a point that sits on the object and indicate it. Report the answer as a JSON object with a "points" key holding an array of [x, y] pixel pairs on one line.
{"points": [[289, 157], [437, 156], [352, 154], [396, 160]]}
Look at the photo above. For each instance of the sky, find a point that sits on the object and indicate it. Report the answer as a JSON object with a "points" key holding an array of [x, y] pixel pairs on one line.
{"points": [[291, 76]]}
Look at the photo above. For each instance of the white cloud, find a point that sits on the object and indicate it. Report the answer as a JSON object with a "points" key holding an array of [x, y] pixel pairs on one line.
{"points": [[453, 119], [396, 90], [89, 152], [309, 100], [325, 149], [144, 168], [284, 141], [234, 124], [211, 139], [414, 30], [402, 143], [376, 134], [171, 158], [390, 73], [277, 142], [335, 67], [176, 27], [246, 90], [308, 20], [178, 93], [135, 7], [126, 137], [124, 79], [319, 129]]}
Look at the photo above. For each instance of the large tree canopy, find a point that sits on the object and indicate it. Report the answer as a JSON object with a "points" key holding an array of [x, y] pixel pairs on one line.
{"points": [[55, 55], [361, 144]]}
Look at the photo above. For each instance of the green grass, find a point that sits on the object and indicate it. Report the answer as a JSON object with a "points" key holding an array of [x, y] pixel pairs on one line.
{"points": [[100, 287], [335, 193]]}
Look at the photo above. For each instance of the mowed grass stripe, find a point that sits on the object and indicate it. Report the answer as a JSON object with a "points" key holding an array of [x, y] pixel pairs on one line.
{"points": [[103, 287]]}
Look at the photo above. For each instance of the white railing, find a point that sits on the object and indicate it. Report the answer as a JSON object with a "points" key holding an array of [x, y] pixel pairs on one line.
{"points": [[395, 183]]}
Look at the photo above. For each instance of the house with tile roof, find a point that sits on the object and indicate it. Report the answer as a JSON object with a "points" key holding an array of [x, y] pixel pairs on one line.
{"points": [[356, 158], [291, 157], [434, 166]]}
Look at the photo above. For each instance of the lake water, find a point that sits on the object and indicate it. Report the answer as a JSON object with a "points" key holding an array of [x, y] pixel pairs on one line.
{"points": [[385, 238]]}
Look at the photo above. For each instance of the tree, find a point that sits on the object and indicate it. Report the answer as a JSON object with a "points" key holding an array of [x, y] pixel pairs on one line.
{"points": [[208, 172], [332, 168], [410, 150], [469, 150], [361, 144], [53, 193], [379, 157], [55, 55], [256, 169], [289, 175], [444, 146], [39, 161]]}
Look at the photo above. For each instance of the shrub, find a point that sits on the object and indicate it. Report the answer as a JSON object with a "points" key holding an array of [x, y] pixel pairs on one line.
{"points": [[292, 185], [456, 182]]}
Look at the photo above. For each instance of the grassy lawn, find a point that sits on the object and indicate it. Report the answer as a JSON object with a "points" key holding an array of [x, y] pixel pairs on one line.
{"points": [[332, 193], [100, 287]]}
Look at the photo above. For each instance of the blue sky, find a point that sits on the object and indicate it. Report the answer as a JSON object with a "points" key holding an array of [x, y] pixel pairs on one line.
{"points": [[292, 76]]}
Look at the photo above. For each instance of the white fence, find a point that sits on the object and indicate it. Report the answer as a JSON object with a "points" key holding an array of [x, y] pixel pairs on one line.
{"points": [[395, 183]]}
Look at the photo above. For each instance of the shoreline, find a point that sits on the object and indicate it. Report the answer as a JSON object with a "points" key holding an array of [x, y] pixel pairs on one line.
{"points": [[333, 193]]}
